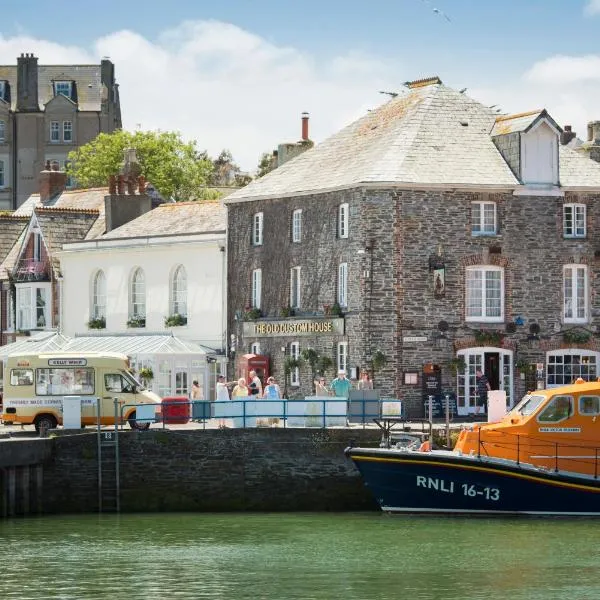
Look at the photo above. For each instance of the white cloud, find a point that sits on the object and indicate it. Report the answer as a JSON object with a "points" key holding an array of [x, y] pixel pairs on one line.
{"points": [[592, 7], [224, 86], [229, 88]]}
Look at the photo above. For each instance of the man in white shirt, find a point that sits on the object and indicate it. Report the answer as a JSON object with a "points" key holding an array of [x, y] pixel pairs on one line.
{"points": [[222, 391]]}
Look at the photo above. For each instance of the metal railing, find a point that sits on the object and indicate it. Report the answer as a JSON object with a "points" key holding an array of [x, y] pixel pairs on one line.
{"points": [[30, 269], [250, 413]]}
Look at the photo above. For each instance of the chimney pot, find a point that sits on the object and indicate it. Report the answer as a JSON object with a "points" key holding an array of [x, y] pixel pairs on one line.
{"points": [[305, 116], [567, 135]]}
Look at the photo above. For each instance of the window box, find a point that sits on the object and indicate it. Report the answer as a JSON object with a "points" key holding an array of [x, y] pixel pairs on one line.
{"points": [[491, 338], [252, 314], [136, 322], [98, 323], [335, 310], [175, 320]]}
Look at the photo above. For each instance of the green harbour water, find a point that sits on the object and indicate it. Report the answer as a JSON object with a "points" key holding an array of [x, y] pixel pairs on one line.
{"points": [[298, 556]]}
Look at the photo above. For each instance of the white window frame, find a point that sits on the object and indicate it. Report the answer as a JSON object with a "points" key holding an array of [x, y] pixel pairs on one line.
{"points": [[484, 316], [67, 131], [255, 348], [342, 356], [2, 130], [578, 220], [342, 285], [68, 88], [255, 298], [3, 90], [37, 246], [571, 291], [28, 314], [137, 294], [98, 308], [343, 220], [2, 175], [478, 225], [10, 310], [295, 373], [257, 229], [295, 287], [179, 292], [54, 132], [297, 226]]}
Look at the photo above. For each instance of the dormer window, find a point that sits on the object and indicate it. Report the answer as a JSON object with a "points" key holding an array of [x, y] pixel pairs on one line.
{"points": [[63, 88], [539, 155]]}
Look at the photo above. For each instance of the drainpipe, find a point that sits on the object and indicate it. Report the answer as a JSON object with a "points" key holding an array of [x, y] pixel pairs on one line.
{"points": [[59, 327]]}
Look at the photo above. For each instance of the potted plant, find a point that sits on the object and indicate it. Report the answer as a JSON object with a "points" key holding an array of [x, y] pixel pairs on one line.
{"points": [[491, 337], [324, 363], [136, 322], [335, 310], [175, 320], [287, 311], [458, 365], [576, 336], [146, 375], [252, 314], [97, 323]]}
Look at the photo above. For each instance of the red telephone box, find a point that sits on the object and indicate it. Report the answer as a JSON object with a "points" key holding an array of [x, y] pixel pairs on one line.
{"points": [[253, 362]]}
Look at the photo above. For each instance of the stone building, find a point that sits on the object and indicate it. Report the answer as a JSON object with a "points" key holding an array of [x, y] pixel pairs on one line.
{"points": [[447, 237], [45, 112]]}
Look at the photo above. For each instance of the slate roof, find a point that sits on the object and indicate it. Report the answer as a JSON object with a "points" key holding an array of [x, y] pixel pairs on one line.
{"points": [[85, 199], [87, 80], [11, 228], [175, 219], [59, 227], [11, 257], [432, 135]]}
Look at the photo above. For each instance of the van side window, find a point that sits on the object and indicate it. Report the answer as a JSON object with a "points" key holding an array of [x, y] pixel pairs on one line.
{"points": [[113, 382], [21, 377], [559, 409], [589, 405], [64, 381]]}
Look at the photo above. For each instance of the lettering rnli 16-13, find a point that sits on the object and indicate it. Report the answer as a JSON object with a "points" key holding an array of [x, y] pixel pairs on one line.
{"points": [[451, 487]]}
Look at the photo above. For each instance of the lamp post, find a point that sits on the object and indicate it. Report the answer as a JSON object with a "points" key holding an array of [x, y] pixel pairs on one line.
{"points": [[285, 374]]}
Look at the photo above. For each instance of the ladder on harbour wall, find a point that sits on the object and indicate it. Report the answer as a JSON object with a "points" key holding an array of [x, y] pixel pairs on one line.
{"points": [[109, 488]]}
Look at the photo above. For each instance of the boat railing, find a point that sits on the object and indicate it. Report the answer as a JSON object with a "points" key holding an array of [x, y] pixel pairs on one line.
{"points": [[535, 450]]}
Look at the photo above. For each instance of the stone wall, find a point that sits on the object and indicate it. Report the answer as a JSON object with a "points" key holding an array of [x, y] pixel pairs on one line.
{"points": [[212, 470]]}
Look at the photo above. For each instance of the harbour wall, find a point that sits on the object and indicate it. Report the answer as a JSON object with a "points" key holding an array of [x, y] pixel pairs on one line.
{"points": [[187, 470]]}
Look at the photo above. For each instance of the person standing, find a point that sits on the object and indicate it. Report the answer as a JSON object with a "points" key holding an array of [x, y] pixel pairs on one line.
{"points": [[483, 387], [365, 382], [341, 385], [272, 392], [321, 387], [241, 389], [222, 395], [255, 384], [196, 390]]}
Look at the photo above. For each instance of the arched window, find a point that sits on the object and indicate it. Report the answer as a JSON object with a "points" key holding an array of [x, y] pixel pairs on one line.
{"points": [[137, 295], [99, 296], [179, 292]]}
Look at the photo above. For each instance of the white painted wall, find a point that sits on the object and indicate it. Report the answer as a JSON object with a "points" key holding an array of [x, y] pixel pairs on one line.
{"points": [[204, 263], [539, 154]]}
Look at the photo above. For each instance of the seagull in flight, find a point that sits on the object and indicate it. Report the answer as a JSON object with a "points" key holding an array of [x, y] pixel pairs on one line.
{"points": [[437, 11]]}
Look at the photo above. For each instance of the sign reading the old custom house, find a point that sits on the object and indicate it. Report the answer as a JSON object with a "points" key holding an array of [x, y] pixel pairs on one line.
{"points": [[293, 327]]}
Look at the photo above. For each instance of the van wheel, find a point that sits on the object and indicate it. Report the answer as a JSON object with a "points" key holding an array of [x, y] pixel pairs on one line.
{"points": [[135, 425], [44, 422]]}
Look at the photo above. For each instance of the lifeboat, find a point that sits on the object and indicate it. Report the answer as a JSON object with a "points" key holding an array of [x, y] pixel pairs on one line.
{"points": [[541, 458]]}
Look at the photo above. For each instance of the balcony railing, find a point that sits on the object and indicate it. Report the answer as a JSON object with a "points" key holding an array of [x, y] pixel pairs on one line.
{"points": [[29, 269]]}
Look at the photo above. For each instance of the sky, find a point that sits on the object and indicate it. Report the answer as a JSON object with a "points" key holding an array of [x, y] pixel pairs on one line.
{"points": [[237, 74]]}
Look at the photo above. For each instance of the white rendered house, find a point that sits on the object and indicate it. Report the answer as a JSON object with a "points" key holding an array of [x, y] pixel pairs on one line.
{"points": [[160, 274]]}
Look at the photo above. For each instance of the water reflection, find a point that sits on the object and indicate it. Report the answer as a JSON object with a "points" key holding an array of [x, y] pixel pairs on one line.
{"points": [[300, 556]]}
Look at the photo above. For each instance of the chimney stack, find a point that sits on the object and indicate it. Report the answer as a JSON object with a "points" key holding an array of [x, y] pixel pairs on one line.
{"points": [[567, 135], [27, 83], [52, 182], [593, 131], [305, 137]]}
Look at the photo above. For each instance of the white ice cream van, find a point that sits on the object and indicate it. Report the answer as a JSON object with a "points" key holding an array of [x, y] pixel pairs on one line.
{"points": [[35, 385]]}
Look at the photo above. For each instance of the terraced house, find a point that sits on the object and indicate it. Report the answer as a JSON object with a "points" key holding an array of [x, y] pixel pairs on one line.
{"points": [[429, 238], [45, 112]]}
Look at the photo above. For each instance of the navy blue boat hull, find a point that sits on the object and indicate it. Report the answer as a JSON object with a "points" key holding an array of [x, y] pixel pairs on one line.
{"points": [[422, 482]]}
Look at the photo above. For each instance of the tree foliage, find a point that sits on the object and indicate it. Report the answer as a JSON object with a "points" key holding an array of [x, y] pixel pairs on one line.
{"points": [[174, 167], [266, 164], [227, 172]]}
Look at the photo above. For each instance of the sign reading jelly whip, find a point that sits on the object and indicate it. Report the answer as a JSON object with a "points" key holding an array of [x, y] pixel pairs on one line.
{"points": [[293, 327]]}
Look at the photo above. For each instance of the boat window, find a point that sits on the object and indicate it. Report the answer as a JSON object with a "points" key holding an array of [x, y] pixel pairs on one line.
{"points": [[529, 404], [589, 405], [558, 409]]}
